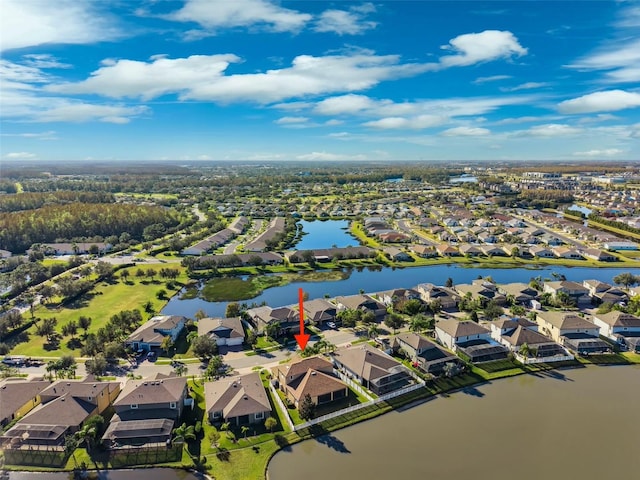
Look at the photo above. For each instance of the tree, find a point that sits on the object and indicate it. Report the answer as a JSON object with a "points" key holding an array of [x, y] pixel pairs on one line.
{"points": [[225, 427], [167, 344], [271, 330], [244, 430], [373, 331], [184, 433], [214, 437], [180, 369], [124, 275], [411, 307], [252, 339], [84, 323], [307, 408], [525, 350], [204, 347], [46, 328], [421, 322], [87, 435], [97, 365], [449, 282], [309, 257], [451, 369], [232, 310], [473, 316], [394, 321], [492, 310], [70, 328], [46, 292], [626, 279], [270, 423], [104, 271]]}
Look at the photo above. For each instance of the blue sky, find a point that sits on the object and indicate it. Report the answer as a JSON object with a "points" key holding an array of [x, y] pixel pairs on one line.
{"points": [[319, 80]]}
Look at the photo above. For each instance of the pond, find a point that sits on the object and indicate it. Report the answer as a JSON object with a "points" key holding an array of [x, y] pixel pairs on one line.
{"points": [[574, 424], [325, 234], [464, 179], [135, 474], [375, 279], [585, 210]]}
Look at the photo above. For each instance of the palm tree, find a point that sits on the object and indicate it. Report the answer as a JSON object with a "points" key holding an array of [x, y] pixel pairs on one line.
{"points": [[184, 433], [244, 429], [525, 350], [225, 428], [86, 435], [192, 336]]}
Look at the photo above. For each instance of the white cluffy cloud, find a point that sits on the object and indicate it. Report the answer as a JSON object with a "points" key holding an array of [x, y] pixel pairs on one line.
{"points": [[291, 120], [346, 22], [240, 13], [20, 156], [607, 152], [607, 101], [201, 77], [466, 132], [27, 23], [472, 48], [415, 123]]}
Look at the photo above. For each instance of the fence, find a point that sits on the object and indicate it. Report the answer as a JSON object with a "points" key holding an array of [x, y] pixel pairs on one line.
{"points": [[281, 405], [360, 406], [554, 358], [355, 386]]}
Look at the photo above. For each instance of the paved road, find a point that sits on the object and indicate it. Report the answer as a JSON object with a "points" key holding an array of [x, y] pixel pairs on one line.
{"points": [[563, 237], [256, 225], [238, 361], [405, 227]]}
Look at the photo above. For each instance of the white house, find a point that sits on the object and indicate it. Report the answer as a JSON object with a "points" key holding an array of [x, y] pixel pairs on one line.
{"points": [[451, 332], [150, 335], [225, 331], [615, 322]]}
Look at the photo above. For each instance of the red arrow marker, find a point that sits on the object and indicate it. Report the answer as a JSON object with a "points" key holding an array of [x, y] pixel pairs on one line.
{"points": [[302, 338]]}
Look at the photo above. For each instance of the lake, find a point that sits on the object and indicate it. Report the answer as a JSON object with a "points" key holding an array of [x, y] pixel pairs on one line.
{"points": [[155, 473], [388, 278], [325, 234], [464, 179], [574, 424]]}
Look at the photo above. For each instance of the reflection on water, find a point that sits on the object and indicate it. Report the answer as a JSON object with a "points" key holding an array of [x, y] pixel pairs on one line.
{"points": [[375, 278], [574, 424]]}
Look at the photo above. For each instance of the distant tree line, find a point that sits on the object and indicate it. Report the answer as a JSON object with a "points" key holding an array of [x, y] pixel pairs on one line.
{"points": [[613, 223], [31, 201], [20, 230]]}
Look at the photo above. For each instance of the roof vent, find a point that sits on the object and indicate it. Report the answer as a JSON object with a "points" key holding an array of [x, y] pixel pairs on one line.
{"points": [[68, 384], [245, 397], [144, 383], [313, 372]]}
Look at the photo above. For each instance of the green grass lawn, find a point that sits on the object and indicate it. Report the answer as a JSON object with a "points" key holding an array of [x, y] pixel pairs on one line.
{"points": [[105, 300]]}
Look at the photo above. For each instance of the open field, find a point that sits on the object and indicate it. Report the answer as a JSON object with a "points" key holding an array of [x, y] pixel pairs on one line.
{"points": [[100, 304]]}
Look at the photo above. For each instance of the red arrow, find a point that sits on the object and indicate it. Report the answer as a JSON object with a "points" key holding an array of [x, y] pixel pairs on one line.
{"points": [[302, 338]]}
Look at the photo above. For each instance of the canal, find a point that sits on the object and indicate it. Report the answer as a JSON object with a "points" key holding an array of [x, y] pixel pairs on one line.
{"points": [[573, 424], [325, 234]]}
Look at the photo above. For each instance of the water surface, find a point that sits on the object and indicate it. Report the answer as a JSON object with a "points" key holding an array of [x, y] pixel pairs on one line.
{"points": [[325, 234], [377, 279], [573, 424]]}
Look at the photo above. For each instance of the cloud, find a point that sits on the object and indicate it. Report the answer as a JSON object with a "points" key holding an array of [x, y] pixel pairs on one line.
{"points": [[415, 123], [525, 86], [20, 156], [201, 77], [620, 60], [48, 135], [330, 157], [241, 13], [466, 132], [27, 23], [607, 101], [346, 22], [492, 78], [607, 152], [355, 104], [548, 130], [291, 120], [43, 60], [472, 48]]}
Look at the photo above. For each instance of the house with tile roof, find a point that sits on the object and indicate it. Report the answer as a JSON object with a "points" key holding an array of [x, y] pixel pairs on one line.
{"points": [[310, 376], [240, 400], [225, 331]]}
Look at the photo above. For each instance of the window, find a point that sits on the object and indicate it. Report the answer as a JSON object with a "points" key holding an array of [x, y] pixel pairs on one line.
{"points": [[134, 405], [172, 405], [259, 415], [217, 414]]}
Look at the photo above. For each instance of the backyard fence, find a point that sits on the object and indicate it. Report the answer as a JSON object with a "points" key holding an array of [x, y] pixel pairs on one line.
{"points": [[281, 405], [344, 411]]}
